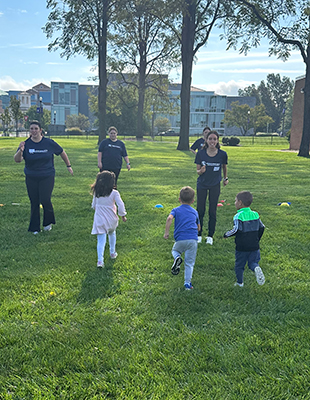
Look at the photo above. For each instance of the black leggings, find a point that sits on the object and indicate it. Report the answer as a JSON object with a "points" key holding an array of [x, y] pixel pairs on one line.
{"points": [[40, 190], [214, 193]]}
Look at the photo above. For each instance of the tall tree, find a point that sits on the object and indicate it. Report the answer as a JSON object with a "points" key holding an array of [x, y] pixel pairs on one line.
{"points": [[273, 94], [246, 118], [16, 112], [84, 27], [286, 24], [143, 44], [6, 120], [198, 17], [33, 115]]}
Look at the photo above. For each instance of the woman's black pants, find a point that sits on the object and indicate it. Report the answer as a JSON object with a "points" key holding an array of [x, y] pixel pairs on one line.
{"points": [[213, 193], [40, 190]]}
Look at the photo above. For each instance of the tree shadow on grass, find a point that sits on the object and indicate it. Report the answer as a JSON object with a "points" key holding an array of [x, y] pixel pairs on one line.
{"points": [[98, 284]]}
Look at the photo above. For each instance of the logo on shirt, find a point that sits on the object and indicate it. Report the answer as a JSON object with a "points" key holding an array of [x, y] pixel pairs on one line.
{"points": [[113, 145], [33, 151]]}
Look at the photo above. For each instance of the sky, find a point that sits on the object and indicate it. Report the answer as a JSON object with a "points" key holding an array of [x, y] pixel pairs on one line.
{"points": [[25, 60]]}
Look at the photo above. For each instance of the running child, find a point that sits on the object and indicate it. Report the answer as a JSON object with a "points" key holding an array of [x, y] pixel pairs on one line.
{"points": [[105, 219], [248, 230], [186, 226]]}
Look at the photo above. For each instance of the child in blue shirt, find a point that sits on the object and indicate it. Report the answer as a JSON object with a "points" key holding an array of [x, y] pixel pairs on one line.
{"points": [[186, 226]]}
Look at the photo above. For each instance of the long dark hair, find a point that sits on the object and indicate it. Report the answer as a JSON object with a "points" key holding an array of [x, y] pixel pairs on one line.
{"points": [[205, 146], [105, 183]]}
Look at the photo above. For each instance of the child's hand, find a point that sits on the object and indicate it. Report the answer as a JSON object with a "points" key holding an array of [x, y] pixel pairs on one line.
{"points": [[124, 219], [166, 235]]}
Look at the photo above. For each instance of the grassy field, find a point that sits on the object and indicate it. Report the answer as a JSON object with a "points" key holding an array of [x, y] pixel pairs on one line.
{"points": [[130, 331]]}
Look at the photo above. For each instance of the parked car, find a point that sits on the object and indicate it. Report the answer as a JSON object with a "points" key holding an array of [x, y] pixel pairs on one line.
{"points": [[169, 132]]}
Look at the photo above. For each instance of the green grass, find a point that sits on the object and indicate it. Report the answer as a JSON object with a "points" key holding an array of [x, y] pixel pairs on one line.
{"points": [[130, 331]]}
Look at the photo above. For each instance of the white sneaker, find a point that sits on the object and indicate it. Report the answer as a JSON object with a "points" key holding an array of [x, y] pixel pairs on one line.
{"points": [[113, 255], [260, 278], [239, 284], [199, 239], [47, 228], [36, 232], [209, 240]]}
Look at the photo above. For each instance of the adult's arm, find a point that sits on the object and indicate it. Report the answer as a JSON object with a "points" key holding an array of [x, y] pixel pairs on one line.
{"points": [[225, 179], [127, 162], [18, 156], [100, 160], [65, 158], [200, 169]]}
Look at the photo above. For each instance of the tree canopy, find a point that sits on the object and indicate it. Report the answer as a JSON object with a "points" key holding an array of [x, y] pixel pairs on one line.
{"points": [[286, 24]]}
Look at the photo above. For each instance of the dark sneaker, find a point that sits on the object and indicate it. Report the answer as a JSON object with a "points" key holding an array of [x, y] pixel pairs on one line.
{"points": [[188, 286], [175, 269]]}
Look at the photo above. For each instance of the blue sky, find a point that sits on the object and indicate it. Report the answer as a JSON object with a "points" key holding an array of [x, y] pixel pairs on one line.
{"points": [[25, 60]]}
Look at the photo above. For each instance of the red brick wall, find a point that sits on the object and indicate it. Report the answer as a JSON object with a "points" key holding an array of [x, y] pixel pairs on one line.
{"points": [[297, 115]]}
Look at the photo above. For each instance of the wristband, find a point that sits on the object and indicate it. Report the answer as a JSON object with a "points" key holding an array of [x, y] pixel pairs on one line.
{"points": [[128, 163], [225, 179], [69, 166]]}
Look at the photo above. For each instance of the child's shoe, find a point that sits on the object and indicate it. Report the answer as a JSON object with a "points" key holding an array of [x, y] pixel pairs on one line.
{"points": [[239, 284], [175, 269], [113, 255], [199, 239], [260, 278], [209, 240], [100, 264], [188, 286]]}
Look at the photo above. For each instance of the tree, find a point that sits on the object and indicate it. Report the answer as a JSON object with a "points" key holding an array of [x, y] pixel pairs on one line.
{"points": [[6, 119], [286, 24], [273, 94], [142, 43], [258, 118], [162, 124], [33, 115], [251, 91], [78, 121], [84, 27], [16, 113], [245, 117], [197, 20]]}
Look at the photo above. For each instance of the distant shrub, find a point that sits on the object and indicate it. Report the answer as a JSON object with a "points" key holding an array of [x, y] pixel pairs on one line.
{"points": [[230, 141], [74, 131]]}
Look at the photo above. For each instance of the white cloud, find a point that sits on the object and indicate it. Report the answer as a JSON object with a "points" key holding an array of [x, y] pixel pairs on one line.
{"points": [[22, 11], [229, 88], [8, 83], [1, 13], [28, 62]]}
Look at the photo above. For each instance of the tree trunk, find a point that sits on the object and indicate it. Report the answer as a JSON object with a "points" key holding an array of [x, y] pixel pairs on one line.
{"points": [[142, 76], [305, 139], [102, 66], [187, 51]]}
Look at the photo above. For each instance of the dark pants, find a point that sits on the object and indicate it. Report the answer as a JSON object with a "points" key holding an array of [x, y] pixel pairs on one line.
{"points": [[116, 172], [40, 192], [214, 193], [243, 257]]}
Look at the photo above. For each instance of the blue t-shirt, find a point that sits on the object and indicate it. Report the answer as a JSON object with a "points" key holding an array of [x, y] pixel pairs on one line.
{"points": [[186, 222], [213, 174], [112, 154], [198, 144], [39, 157]]}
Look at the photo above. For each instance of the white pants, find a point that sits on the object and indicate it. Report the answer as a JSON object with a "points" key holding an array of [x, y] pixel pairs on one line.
{"points": [[101, 241]]}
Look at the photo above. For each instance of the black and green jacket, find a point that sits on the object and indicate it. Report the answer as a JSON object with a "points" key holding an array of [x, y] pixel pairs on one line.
{"points": [[248, 229]]}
